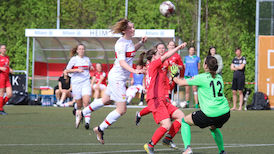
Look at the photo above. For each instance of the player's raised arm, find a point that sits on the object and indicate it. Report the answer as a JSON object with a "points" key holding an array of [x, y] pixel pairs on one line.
{"points": [[171, 52], [140, 43]]}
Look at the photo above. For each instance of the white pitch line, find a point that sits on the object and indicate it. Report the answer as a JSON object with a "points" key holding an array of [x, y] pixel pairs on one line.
{"points": [[205, 146], [210, 147], [84, 144]]}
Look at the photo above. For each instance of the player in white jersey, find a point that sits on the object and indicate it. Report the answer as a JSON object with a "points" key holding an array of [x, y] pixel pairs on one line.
{"points": [[116, 88], [79, 67]]}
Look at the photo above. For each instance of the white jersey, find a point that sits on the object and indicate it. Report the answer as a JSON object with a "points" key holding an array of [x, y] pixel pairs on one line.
{"points": [[124, 50], [77, 62]]}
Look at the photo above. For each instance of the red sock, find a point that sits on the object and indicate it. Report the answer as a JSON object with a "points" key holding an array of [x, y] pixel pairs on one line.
{"points": [[144, 111], [158, 134], [6, 100], [1, 103], [175, 127]]}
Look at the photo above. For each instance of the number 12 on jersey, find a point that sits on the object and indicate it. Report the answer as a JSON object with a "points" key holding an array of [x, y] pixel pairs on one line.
{"points": [[219, 84]]}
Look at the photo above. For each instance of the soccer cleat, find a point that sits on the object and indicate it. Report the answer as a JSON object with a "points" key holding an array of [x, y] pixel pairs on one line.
{"points": [[169, 143], [3, 113], [188, 151], [148, 149], [59, 103], [141, 103], [100, 134], [87, 125], [222, 152], [74, 111], [138, 119], [79, 118]]}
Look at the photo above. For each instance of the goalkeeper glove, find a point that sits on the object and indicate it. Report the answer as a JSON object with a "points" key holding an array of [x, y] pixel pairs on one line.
{"points": [[174, 71]]}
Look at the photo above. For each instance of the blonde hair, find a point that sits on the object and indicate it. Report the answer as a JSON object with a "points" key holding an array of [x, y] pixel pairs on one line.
{"points": [[120, 26]]}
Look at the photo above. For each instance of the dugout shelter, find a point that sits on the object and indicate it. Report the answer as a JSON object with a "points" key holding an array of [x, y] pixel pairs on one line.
{"points": [[51, 49]]}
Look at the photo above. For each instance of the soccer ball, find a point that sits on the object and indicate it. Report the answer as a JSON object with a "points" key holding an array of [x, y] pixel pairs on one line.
{"points": [[167, 8], [183, 104]]}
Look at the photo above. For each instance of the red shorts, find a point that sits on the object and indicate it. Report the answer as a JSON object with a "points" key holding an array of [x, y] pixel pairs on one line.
{"points": [[161, 109], [4, 81]]}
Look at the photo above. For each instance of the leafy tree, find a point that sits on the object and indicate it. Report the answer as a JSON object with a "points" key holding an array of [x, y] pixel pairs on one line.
{"points": [[224, 24]]}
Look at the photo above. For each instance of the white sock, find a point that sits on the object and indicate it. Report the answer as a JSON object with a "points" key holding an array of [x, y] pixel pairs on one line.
{"points": [[75, 106], [61, 101], [95, 105], [87, 118], [129, 99], [110, 119]]}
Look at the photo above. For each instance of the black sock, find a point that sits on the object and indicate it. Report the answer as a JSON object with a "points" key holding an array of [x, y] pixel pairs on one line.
{"points": [[142, 97]]}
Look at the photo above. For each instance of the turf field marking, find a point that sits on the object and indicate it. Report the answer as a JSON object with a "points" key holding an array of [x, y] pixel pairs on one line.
{"points": [[205, 146], [84, 144], [210, 147], [133, 144]]}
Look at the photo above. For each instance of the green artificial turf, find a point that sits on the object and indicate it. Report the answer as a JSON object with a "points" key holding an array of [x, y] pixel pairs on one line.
{"points": [[35, 129]]}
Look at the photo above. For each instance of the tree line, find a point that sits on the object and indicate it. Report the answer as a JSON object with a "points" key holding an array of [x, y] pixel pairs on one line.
{"points": [[224, 24]]}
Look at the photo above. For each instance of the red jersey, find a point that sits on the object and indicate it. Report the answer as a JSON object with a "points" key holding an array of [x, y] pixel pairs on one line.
{"points": [[176, 59], [5, 62], [98, 76], [155, 80]]}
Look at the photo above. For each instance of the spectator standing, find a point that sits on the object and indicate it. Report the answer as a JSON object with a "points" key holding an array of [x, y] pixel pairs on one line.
{"points": [[212, 52], [192, 66], [238, 82]]}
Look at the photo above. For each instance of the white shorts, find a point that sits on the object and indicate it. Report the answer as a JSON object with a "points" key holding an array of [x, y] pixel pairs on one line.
{"points": [[102, 86], [132, 90], [81, 89], [116, 90]]}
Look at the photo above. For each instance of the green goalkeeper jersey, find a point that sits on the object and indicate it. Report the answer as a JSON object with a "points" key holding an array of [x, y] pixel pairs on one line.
{"points": [[210, 94]]}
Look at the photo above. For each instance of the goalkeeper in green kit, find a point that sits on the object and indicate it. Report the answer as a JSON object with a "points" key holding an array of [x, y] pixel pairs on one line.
{"points": [[214, 111]]}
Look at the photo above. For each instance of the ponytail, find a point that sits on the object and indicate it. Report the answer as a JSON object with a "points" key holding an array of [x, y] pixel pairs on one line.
{"points": [[212, 65], [120, 26], [73, 51], [149, 54], [213, 74], [141, 59]]}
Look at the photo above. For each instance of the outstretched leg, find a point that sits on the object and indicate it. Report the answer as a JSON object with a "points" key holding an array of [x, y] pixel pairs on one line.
{"points": [[185, 130], [218, 137], [109, 120]]}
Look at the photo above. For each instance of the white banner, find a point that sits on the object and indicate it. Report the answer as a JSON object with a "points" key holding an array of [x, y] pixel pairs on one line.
{"points": [[162, 33]]}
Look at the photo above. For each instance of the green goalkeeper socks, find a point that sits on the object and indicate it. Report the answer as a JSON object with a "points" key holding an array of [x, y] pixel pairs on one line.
{"points": [[186, 134], [218, 137]]}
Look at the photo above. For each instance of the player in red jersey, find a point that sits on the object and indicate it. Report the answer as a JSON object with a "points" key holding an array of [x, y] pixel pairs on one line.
{"points": [[156, 98], [98, 81], [177, 60], [5, 86], [161, 49], [174, 59]]}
